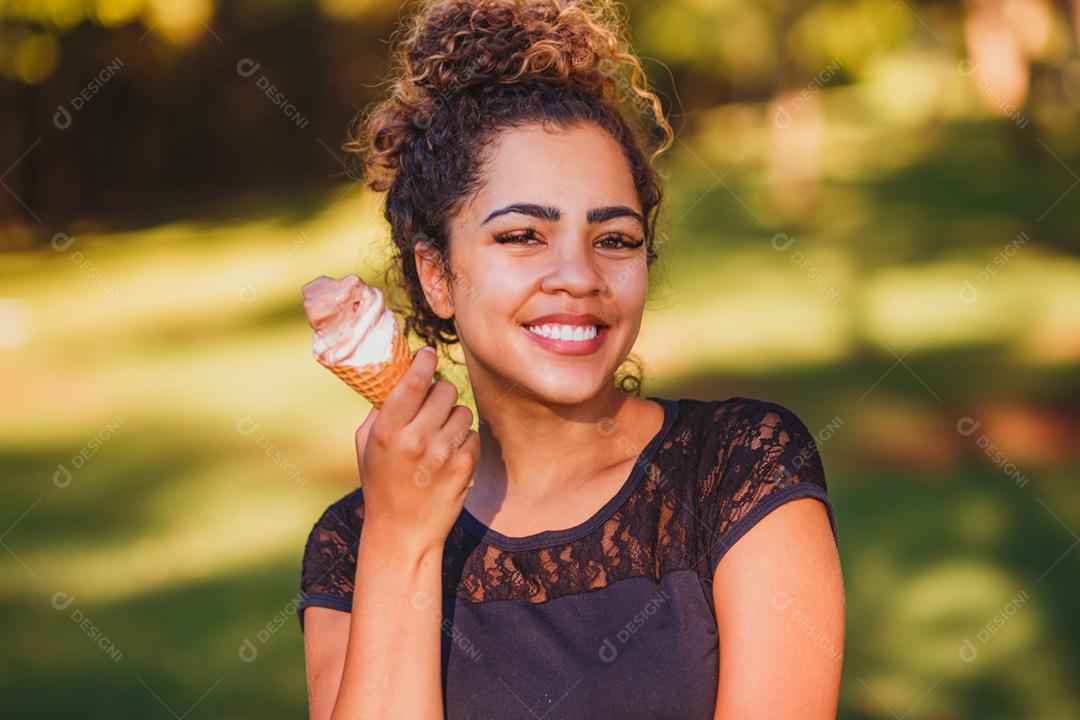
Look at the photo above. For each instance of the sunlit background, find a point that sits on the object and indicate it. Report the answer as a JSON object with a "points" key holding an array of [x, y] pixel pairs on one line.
{"points": [[872, 218]]}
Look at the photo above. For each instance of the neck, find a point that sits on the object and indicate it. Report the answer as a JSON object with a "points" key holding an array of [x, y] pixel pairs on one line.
{"points": [[530, 450]]}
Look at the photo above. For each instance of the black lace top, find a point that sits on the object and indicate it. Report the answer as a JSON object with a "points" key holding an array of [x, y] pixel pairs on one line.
{"points": [[613, 617]]}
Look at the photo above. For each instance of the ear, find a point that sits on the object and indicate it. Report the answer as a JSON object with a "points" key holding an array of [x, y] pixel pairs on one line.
{"points": [[433, 279]]}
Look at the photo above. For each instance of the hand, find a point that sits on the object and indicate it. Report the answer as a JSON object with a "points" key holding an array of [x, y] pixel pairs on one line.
{"points": [[416, 457]]}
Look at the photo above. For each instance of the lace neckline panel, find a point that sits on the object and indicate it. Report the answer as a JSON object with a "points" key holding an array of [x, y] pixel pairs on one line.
{"points": [[548, 538]]}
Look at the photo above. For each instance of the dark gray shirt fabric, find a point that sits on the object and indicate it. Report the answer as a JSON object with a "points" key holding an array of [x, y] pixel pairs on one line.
{"points": [[614, 617]]}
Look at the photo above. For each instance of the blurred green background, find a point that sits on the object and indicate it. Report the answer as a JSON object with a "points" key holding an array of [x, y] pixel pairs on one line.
{"points": [[872, 218]]}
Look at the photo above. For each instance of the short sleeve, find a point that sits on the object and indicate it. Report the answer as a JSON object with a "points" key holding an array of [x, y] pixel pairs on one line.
{"points": [[765, 456], [328, 568]]}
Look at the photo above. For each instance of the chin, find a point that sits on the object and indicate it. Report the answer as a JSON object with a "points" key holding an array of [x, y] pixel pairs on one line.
{"points": [[563, 382], [558, 393]]}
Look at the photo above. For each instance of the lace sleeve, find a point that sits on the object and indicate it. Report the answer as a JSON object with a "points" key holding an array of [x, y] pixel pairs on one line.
{"points": [[765, 457], [329, 564]]}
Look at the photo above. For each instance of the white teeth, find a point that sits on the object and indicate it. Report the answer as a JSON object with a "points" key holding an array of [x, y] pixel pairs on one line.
{"points": [[565, 332]]}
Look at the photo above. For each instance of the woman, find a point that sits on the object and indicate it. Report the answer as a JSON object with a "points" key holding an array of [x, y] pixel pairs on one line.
{"points": [[576, 557]]}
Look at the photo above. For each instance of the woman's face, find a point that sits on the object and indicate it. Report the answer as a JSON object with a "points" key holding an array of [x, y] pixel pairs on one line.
{"points": [[555, 228]]}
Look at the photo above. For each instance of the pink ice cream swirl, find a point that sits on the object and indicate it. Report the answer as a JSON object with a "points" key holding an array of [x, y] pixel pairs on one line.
{"points": [[350, 320]]}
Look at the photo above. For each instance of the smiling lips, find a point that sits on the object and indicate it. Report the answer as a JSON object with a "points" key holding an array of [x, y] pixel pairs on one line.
{"points": [[567, 339], [565, 318], [564, 332], [567, 333]]}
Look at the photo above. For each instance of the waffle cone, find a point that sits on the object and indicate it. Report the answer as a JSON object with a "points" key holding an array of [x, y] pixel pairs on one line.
{"points": [[374, 382]]}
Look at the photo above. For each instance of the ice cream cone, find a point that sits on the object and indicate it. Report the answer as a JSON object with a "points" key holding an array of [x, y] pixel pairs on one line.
{"points": [[374, 382], [356, 336]]}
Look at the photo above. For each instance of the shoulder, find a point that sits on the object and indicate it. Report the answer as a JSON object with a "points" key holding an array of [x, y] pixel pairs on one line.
{"points": [[745, 434], [329, 561], [749, 457], [741, 415], [343, 515], [331, 545], [714, 433], [762, 424], [737, 412]]}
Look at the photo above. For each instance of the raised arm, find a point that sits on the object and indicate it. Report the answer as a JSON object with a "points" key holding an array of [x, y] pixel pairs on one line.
{"points": [[377, 654], [382, 659]]}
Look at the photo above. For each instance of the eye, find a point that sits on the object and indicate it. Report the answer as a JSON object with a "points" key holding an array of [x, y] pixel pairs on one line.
{"points": [[516, 237], [621, 242]]}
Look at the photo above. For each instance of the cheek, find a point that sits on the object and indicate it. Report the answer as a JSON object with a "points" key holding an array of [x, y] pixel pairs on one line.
{"points": [[482, 297], [630, 287]]}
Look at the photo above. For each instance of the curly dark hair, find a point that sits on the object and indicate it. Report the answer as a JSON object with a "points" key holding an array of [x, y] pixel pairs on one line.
{"points": [[462, 71]]}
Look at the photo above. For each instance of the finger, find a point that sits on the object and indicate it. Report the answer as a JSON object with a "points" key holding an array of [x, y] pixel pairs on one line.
{"points": [[455, 431], [472, 446], [407, 396], [470, 450], [436, 409]]}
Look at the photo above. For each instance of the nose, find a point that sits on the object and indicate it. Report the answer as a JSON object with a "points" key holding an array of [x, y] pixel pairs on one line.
{"points": [[573, 269]]}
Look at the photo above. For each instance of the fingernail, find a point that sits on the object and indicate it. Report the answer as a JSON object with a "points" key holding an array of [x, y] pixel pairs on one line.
{"points": [[428, 348]]}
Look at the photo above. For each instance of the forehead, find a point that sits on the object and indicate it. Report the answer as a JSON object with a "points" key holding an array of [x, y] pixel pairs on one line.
{"points": [[571, 168]]}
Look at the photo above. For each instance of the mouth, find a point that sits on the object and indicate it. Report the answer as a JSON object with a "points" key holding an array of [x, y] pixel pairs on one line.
{"points": [[567, 339]]}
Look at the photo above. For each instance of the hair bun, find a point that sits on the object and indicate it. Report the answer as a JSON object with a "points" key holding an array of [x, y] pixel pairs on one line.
{"points": [[458, 63], [459, 44]]}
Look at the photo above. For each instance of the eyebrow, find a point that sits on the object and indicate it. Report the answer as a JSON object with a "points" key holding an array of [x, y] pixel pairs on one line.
{"points": [[547, 212]]}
